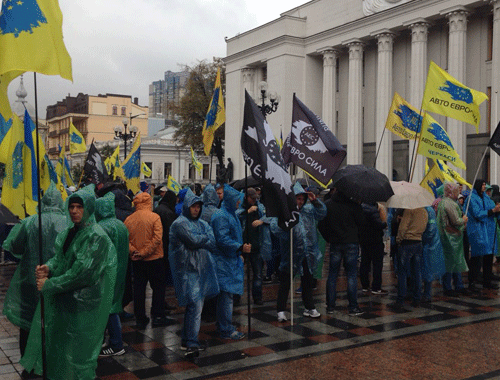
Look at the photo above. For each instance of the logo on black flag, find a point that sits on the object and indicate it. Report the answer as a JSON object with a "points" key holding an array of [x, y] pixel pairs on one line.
{"points": [[94, 169], [495, 140], [311, 145], [262, 154]]}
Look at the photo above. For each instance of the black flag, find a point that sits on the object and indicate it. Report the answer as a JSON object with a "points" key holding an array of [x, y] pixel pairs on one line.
{"points": [[262, 154], [94, 169], [495, 140], [311, 145]]}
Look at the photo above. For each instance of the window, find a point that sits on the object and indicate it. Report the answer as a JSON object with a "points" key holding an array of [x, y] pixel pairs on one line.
{"points": [[115, 110], [206, 171], [490, 39], [124, 111], [167, 169], [192, 172]]}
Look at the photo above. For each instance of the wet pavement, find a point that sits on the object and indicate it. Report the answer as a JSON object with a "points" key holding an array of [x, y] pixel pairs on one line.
{"points": [[450, 338]]}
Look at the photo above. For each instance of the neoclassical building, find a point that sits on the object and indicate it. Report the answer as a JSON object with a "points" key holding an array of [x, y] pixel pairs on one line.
{"points": [[345, 60]]}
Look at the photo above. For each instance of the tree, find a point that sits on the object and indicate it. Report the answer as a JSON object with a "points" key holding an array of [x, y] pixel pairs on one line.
{"points": [[76, 172], [106, 151], [193, 106]]}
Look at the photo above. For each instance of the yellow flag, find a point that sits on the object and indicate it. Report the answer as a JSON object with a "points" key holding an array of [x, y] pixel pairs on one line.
{"points": [[197, 164], [448, 97], [173, 185], [31, 38], [433, 180], [76, 140], [146, 170], [452, 175], [435, 143], [216, 115], [403, 120], [5, 110], [131, 168]]}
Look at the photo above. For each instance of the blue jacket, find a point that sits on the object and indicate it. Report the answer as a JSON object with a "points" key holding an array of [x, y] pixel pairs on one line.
{"points": [[480, 240], [191, 263], [210, 201], [433, 266], [229, 240], [264, 230], [299, 246], [491, 223]]}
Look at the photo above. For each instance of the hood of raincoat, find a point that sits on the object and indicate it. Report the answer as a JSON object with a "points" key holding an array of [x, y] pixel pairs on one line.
{"points": [[209, 196], [169, 200], [189, 200], [52, 200], [87, 195], [105, 207], [231, 198], [298, 189], [142, 201], [478, 185], [182, 194]]}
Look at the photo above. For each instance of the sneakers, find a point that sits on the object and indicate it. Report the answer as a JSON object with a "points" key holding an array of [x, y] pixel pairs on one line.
{"points": [[313, 313], [356, 312], [366, 290], [163, 321], [380, 292], [192, 352], [108, 351], [330, 310], [201, 347], [282, 316], [299, 290], [267, 280], [235, 335]]}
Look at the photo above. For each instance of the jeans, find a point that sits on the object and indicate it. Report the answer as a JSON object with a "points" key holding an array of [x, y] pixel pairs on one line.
{"points": [[191, 327], [457, 281], [225, 314], [371, 255], [410, 259], [115, 332], [153, 272], [256, 262], [349, 253], [307, 285]]}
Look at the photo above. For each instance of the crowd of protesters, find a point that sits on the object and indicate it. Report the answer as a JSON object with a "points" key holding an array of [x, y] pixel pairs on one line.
{"points": [[103, 247]]}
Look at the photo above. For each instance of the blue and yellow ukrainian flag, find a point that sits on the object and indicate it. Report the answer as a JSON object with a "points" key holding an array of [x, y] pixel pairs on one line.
{"points": [[403, 120], [63, 170], [196, 163], [173, 185], [5, 110], [436, 144], [31, 38], [146, 170], [448, 97], [216, 115], [451, 175], [131, 168], [76, 140], [433, 180]]}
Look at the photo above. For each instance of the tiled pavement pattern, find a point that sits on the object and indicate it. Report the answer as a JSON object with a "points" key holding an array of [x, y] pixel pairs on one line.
{"points": [[450, 338]]}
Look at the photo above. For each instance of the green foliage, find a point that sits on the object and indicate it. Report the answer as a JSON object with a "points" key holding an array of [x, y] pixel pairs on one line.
{"points": [[106, 151], [193, 106], [76, 172]]}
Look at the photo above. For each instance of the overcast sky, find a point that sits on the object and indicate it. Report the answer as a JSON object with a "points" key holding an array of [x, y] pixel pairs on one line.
{"points": [[121, 46]]}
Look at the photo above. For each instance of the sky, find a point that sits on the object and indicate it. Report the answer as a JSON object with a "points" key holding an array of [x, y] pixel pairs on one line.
{"points": [[121, 46]]}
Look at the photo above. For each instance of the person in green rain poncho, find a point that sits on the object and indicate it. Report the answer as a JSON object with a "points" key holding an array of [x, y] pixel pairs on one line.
{"points": [[118, 233], [77, 285], [22, 296]]}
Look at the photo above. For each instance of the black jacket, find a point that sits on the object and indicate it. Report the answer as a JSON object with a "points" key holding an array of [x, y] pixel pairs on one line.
{"points": [[372, 230], [166, 210]]}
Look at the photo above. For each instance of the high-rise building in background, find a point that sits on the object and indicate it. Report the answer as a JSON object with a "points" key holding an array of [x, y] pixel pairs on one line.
{"points": [[164, 92]]}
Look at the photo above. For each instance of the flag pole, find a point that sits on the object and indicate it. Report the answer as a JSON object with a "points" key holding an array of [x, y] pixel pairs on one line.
{"points": [[475, 178], [379, 145], [291, 257], [40, 235], [415, 148], [247, 238]]}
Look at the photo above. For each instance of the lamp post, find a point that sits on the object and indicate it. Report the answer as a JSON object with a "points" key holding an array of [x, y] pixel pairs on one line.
{"points": [[123, 135], [274, 98]]}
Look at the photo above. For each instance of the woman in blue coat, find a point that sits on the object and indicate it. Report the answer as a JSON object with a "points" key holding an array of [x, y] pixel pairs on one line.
{"points": [[481, 212]]}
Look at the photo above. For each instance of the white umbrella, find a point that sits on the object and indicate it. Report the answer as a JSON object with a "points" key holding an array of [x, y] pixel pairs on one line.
{"points": [[409, 195]]}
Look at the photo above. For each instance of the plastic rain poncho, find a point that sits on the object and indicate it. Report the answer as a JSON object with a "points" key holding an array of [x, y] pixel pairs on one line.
{"points": [[481, 242], [491, 223], [78, 297], [22, 296], [433, 260], [210, 201], [118, 233], [229, 239], [451, 227], [192, 265], [299, 246]]}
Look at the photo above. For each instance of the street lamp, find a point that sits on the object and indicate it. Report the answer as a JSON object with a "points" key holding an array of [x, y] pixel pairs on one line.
{"points": [[123, 135], [274, 98]]}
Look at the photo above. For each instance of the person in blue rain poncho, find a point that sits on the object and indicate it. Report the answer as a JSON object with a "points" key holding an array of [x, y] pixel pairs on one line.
{"points": [[229, 238], [22, 295], [432, 264], [193, 267], [180, 199], [77, 285], [306, 253], [210, 201], [482, 243], [118, 233]]}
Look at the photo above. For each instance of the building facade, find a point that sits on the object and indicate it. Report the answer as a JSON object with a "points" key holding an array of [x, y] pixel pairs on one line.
{"points": [[345, 60], [94, 116], [167, 91]]}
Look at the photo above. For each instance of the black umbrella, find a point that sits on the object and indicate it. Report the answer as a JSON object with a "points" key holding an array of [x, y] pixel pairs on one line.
{"points": [[362, 183], [240, 184], [6, 216]]}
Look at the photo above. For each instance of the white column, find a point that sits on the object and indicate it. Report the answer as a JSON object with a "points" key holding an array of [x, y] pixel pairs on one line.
{"points": [[354, 105], [495, 87], [457, 21], [329, 85], [419, 67], [383, 102], [248, 80]]}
